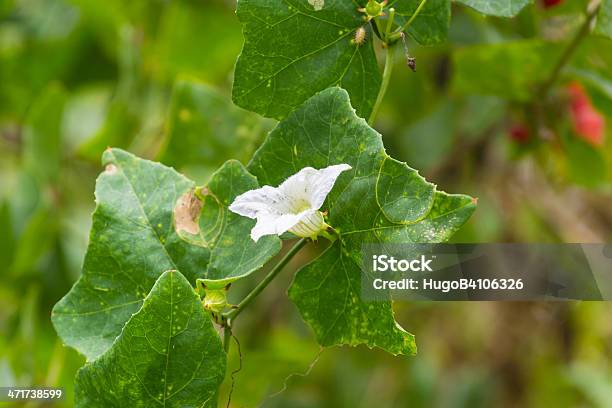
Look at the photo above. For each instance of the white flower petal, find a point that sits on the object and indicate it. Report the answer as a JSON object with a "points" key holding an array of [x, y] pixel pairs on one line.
{"points": [[264, 200], [312, 186], [277, 225]]}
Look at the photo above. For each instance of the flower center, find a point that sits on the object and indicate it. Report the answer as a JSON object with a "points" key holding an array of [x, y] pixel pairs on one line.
{"points": [[300, 205]]}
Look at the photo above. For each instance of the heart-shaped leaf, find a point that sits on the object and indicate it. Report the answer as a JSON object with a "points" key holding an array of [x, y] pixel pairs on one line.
{"points": [[296, 48], [132, 242], [168, 354], [380, 200], [292, 50], [134, 239]]}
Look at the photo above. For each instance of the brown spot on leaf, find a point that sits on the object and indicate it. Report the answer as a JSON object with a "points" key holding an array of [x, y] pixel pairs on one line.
{"points": [[110, 168], [187, 213]]}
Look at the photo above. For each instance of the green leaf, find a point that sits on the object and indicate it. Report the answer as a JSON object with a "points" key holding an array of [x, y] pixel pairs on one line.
{"points": [[500, 8], [38, 236], [215, 29], [585, 163], [292, 52], [440, 125], [125, 109], [168, 354], [203, 219], [132, 242], [493, 69], [327, 293], [42, 136], [146, 222], [205, 128], [430, 27], [380, 200], [119, 129], [84, 115], [603, 26]]}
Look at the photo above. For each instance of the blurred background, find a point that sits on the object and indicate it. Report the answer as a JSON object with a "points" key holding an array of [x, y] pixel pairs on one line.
{"points": [[479, 117]]}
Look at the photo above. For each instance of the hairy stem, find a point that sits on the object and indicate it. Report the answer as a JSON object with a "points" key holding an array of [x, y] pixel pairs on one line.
{"points": [[266, 281], [569, 51], [389, 56]]}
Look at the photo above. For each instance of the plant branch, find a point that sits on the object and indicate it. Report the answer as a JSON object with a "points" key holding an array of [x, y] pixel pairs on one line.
{"points": [[569, 51], [265, 282], [389, 56]]}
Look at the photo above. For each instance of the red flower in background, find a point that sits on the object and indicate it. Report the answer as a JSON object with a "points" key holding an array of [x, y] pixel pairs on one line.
{"points": [[588, 123], [519, 133], [550, 3]]}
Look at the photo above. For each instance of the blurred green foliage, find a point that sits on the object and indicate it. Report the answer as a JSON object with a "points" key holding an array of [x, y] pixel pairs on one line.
{"points": [[153, 76]]}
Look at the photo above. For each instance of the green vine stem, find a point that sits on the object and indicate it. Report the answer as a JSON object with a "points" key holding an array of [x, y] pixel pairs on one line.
{"points": [[414, 15], [227, 336], [390, 22], [389, 56], [389, 40], [570, 50], [232, 314]]}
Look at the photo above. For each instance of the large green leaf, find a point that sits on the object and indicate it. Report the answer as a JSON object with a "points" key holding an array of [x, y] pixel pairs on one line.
{"points": [[604, 19], [291, 51], [205, 128], [134, 239], [168, 354], [500, 8], [511, 70], [203, 218], [132, 242], [380, 200], [42, 140]]}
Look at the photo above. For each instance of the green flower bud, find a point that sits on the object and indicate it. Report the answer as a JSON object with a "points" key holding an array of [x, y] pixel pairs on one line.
{"points": [[215, 300], [374, 8]]}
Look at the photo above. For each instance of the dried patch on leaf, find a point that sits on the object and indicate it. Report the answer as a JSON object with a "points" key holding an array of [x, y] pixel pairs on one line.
{"points": [[187, 213], [110, 168], [317, 4]]}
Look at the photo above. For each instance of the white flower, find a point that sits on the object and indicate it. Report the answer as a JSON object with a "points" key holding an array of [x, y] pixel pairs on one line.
{"points": [[293, 206]]}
